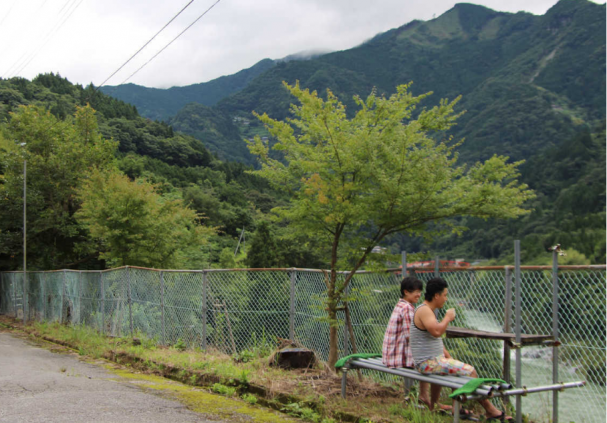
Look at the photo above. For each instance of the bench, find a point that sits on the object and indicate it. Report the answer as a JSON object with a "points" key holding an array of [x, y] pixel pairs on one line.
{"points": [[453, 382]]}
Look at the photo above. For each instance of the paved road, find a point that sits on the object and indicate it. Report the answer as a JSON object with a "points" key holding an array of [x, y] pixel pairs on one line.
{"points": [[37, 385]]}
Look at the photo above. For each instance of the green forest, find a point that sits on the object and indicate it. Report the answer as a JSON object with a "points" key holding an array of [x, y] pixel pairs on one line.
{"points": [[194, 202], [173, 172]]}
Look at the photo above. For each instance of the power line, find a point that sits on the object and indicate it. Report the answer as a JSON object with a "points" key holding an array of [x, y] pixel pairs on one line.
{"points": [[149, 41], [8, 13], [27, 52], [49, 38], [171, 42], [8, 45], [26, 58]]}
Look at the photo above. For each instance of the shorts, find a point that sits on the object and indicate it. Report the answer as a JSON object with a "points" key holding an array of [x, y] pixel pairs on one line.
{"points": [[444, 366]]}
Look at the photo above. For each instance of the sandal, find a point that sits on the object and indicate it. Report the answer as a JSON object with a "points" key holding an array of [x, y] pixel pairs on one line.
{"points": [[442, 408], [466, 415], [501, 418]]}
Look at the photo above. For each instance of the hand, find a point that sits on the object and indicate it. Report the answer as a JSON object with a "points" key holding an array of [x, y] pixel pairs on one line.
{"points": [[450, 315]]}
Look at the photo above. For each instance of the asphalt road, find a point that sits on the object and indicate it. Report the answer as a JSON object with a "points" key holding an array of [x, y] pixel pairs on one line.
{"points": [[37, 385]]}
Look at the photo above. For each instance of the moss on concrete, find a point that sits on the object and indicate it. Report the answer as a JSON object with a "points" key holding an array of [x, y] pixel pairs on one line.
{"points": [[201, 401]]}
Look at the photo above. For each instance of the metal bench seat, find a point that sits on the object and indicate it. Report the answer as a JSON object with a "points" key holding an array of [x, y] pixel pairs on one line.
{"points": [[453, 382]]}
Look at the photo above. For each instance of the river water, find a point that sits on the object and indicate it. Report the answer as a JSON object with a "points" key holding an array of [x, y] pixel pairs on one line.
{"points": [[580, 405]]}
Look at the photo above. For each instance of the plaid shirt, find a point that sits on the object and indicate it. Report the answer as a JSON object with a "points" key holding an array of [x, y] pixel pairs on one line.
{"points": [[396, 351]]}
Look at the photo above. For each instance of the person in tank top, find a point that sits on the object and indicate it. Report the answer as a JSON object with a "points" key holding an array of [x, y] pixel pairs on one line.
{"points": [[427, 345]]}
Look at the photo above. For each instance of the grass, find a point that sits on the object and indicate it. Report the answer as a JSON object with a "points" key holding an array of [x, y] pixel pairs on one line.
{"points": [[310, 394]]}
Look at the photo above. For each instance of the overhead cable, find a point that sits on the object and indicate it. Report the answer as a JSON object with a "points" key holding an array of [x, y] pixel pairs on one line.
{"points": [[28, 52], [22, 63], [8, 13], [144, 46], [171, 42]]}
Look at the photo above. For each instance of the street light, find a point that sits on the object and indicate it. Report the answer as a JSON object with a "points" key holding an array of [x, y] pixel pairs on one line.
{"points": [[24, 231]]}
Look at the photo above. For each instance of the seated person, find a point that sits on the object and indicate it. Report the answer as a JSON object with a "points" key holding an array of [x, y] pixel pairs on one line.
{"points": [[427, 345], [396, 351]]}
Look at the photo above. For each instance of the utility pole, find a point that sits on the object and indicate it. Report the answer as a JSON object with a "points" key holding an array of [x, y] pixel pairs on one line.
{"points": [[24, 233]]}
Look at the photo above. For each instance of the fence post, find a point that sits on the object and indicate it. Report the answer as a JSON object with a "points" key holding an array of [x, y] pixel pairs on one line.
{"points": [[346, 345], [436, 275], [3, 285], [162, 305], [517, 324], [404, 274], [204, 308], [79, 297], [507, 327], [13, 284], [555, 333], [128, 293], [436, 267], [62, 298], [293, 277], [102, 302], [23, 305], [44, 299]]}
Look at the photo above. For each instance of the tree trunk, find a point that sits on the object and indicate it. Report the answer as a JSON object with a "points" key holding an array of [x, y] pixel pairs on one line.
{"points": [[333, 300], [333, 340]]}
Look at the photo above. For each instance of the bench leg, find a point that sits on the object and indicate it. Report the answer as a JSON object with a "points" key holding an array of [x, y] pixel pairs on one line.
{"points": [[456, 406], [344, 381], [408, 385]]}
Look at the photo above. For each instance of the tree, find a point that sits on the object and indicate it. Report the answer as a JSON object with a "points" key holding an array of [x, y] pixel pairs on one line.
{"points": [[59, 156], [135, 225], [355, 181], [226, 259], [262, 252]]}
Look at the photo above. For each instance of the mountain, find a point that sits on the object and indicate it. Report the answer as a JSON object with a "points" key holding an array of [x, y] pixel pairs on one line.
{"points": [[527, 81], [533, 88], [161, 104], [217, 131]]}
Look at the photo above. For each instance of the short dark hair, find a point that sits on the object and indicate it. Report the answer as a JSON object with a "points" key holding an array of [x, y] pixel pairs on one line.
{"points": [[434, 286], [410, 283]]}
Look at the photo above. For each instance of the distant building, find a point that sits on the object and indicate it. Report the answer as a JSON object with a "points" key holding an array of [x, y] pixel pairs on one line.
{"points": [[378, 250], [241, 121]]}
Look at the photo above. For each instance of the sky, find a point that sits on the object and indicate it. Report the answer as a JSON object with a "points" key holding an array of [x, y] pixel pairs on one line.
{"points": [[88, 40]]}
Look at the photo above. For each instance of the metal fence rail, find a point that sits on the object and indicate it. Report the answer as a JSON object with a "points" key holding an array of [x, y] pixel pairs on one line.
{"points": [[239, 309]]}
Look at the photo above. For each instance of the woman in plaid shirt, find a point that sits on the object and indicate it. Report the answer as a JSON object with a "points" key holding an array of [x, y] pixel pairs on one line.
{"points": [[396, 351]]}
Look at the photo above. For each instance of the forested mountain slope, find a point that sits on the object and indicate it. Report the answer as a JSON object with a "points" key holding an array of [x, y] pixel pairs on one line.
{"points": [[527, 81], [161, 104], [569, 181], [533, 88], [220, 134], [227, 198]]}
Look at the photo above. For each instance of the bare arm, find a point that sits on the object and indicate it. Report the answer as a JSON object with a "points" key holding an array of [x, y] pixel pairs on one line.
{"points": [[430, 323]]}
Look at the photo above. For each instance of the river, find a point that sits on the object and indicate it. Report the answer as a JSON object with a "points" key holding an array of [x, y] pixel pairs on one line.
{"points": [[580, 405]]}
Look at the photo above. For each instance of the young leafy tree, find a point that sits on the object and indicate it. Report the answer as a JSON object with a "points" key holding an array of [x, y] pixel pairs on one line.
{"points": [[59, 154], [137, 226], [355, 181]]}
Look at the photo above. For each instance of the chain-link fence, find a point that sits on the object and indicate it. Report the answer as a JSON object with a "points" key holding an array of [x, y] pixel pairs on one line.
{"points": [[235, 310]]}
